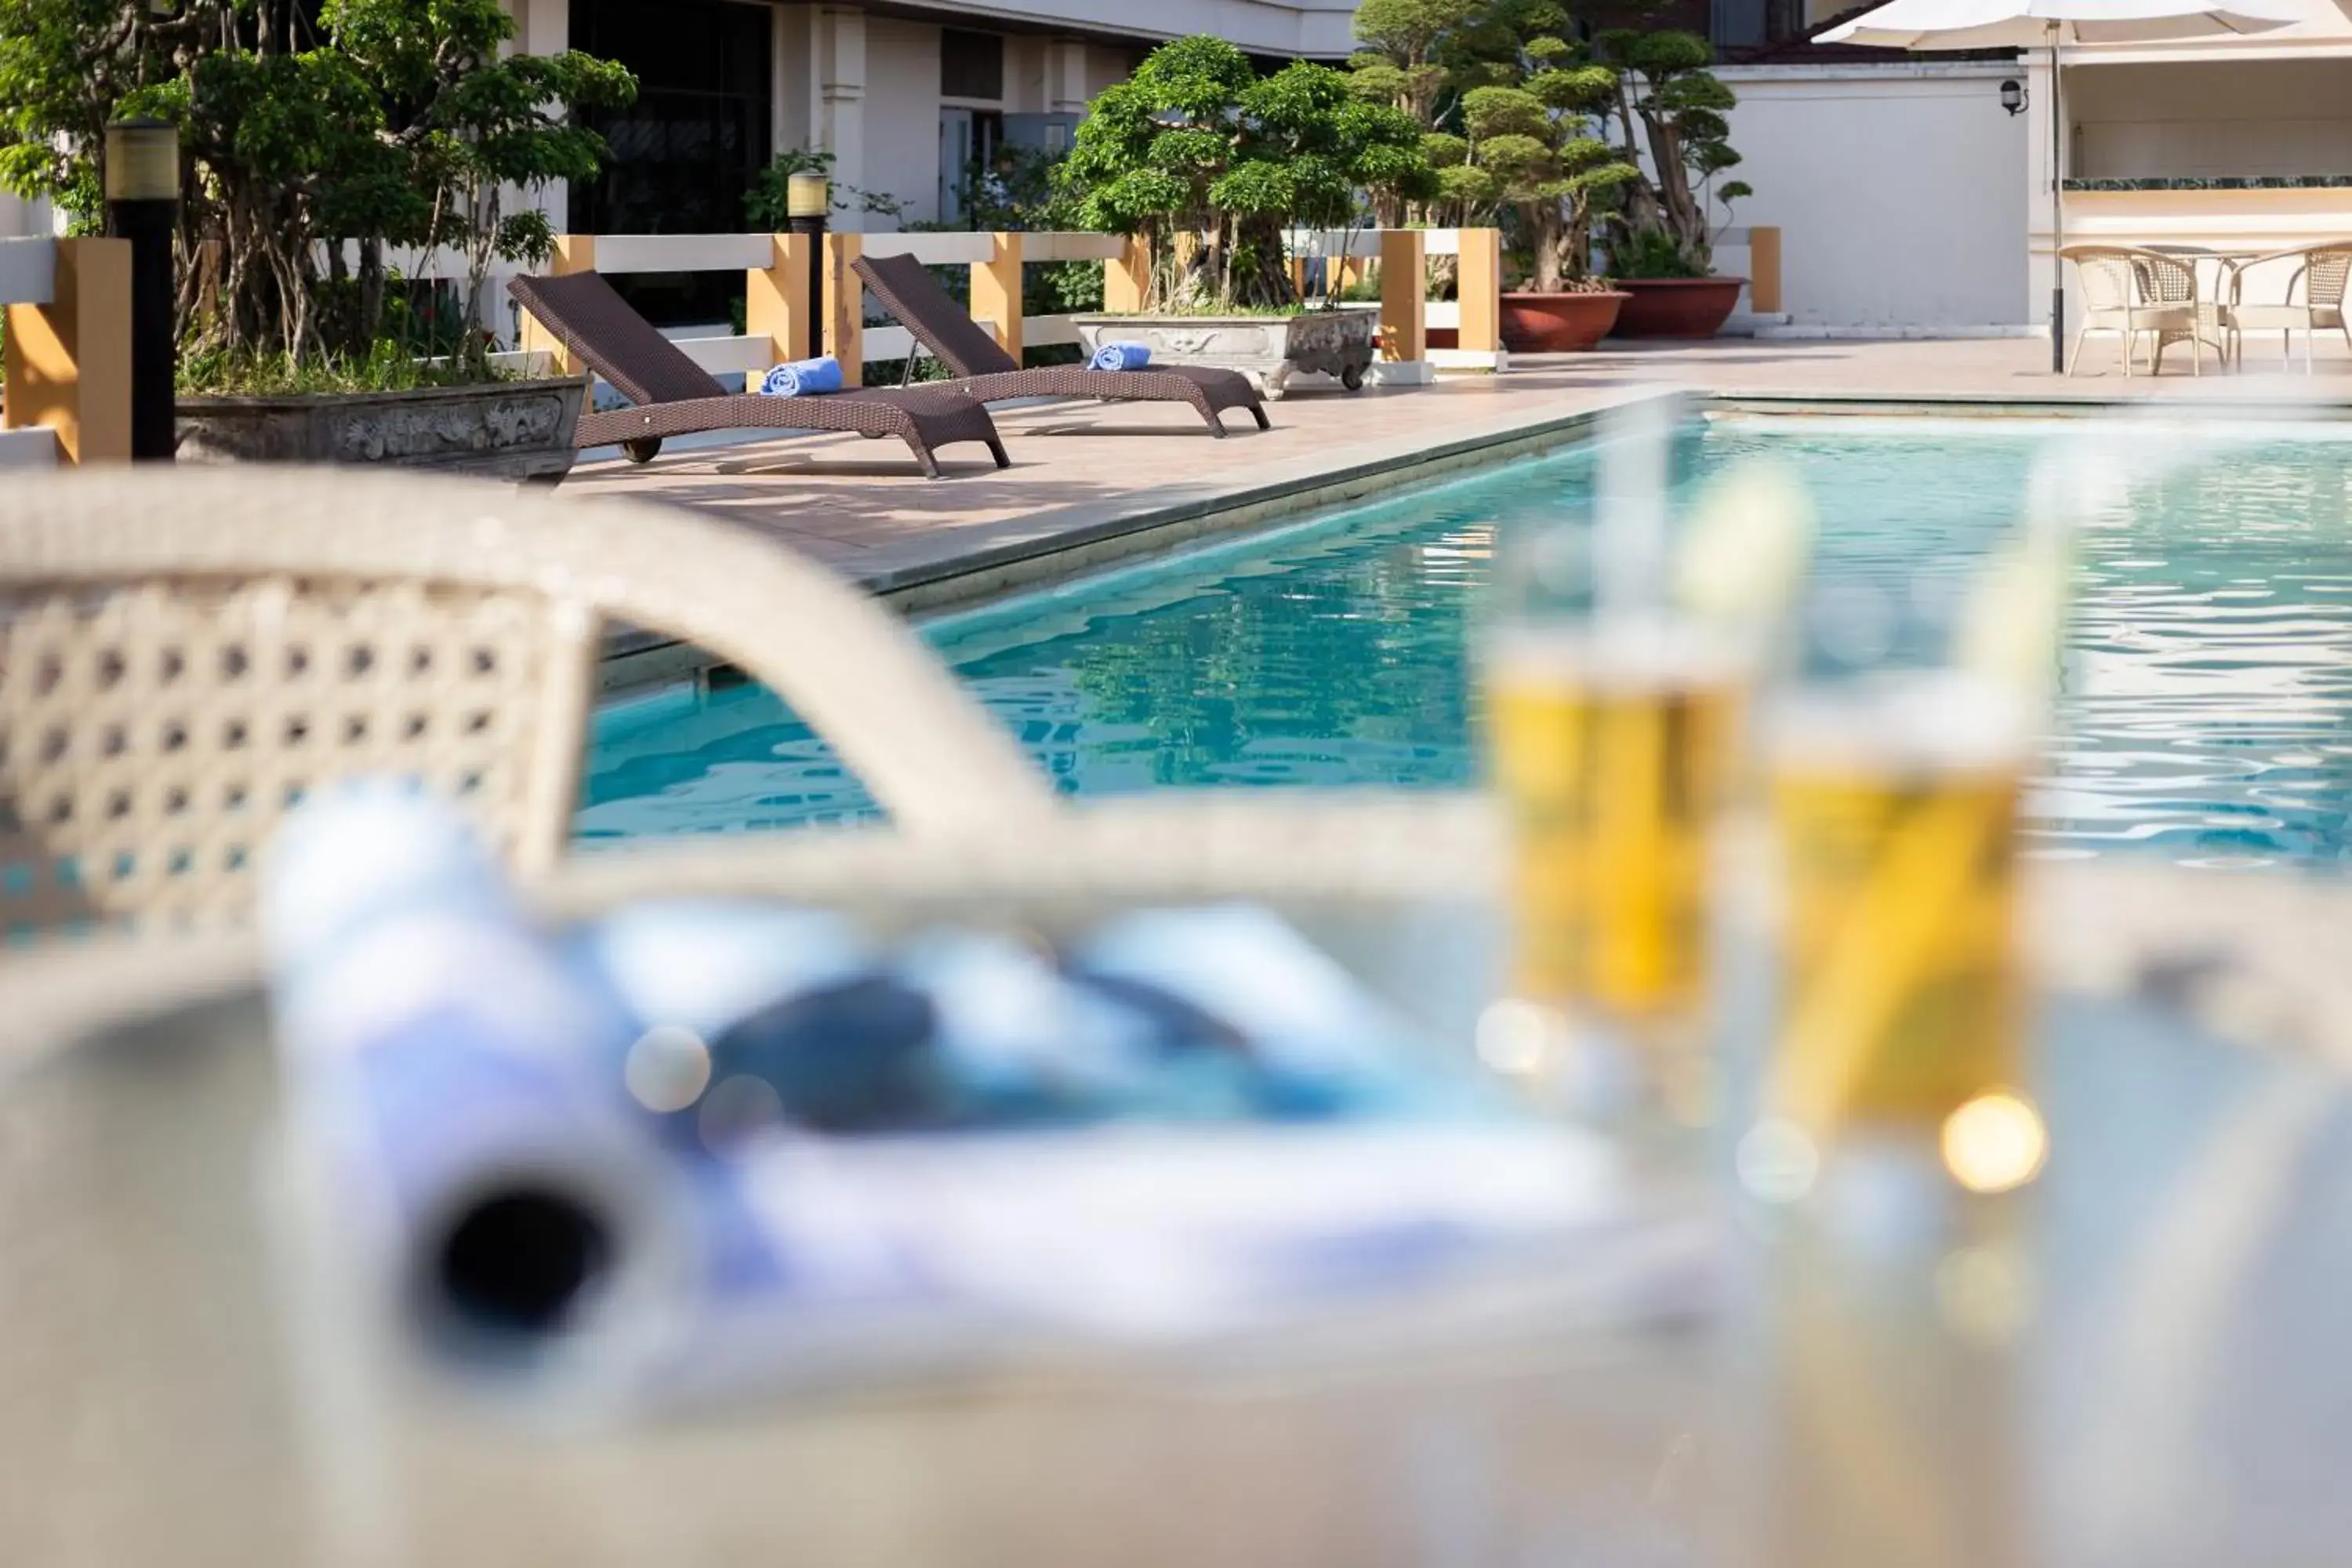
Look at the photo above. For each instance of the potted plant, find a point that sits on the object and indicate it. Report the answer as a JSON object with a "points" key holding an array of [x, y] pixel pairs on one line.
{"points": [[1207, 163], [1531, 146], [317, 141], [1661, 250], [1508, 108]]}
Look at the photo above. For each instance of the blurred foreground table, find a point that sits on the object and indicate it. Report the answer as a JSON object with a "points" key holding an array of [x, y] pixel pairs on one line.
{"points": [[165, 1397]]}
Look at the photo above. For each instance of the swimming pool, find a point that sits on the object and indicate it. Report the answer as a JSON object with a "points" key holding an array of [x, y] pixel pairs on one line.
{"points": [[2206, 714]]}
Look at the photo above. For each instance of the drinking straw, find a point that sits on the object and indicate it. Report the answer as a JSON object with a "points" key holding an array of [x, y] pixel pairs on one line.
{"points": [[2008, 640], [1747, 545], [1629, 543]]}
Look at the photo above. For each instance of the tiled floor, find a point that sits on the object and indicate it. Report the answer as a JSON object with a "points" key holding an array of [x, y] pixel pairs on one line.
{"points": [[1098, 475]]}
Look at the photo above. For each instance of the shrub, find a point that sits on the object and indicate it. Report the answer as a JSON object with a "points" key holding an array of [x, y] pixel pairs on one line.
{"points": [[338, 130]]}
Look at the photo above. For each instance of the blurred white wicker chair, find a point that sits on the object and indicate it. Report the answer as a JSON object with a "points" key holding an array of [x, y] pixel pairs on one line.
{"points": [[2320, 275], [183, 652], [2128, 290]]}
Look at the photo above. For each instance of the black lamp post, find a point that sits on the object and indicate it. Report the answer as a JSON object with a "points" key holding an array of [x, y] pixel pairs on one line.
{"points": [[142, 201], [808, 199]]}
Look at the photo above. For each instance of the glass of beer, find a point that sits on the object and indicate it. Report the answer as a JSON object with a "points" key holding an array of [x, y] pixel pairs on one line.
{"points": [[1896, 805], [1613, 676]]}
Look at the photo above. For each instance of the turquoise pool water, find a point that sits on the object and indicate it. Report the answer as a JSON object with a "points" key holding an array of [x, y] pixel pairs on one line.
{"points": [[2206, 715]]}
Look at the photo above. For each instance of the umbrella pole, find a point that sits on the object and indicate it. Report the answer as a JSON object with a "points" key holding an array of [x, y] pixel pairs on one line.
{"points": [[2057, 216]]}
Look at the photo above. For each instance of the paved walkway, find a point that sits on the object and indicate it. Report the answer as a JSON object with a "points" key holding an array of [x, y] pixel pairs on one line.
{"points": [[1091, 481]]}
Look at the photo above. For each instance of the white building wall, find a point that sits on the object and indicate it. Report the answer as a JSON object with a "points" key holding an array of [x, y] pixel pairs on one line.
{"points": [[1902, 193]]}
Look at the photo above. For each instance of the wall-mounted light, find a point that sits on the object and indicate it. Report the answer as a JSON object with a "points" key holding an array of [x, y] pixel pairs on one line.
{"points": [[2012, 96]]}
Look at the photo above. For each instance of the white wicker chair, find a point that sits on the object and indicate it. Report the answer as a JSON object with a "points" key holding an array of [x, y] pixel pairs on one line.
{"points": [[2320, 274], [183, 652], [2127, 291]]}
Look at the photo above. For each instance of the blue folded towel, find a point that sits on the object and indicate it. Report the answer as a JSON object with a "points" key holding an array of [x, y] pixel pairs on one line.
{"points": [[802, 378], [1122, 356]]}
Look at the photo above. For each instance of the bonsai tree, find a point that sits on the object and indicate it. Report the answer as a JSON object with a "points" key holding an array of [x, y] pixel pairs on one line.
{"points": [[1207, 163], [1660, 228], [330, 132], [1532, 150]]}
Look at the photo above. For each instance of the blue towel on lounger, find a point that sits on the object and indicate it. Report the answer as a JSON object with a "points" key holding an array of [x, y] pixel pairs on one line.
{"points": [[1122, 356], [802, 378]]}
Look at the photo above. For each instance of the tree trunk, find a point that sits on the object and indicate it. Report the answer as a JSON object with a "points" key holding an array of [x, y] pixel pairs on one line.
{"points": [[1544, 232], [371, 322], [1683, 220]]}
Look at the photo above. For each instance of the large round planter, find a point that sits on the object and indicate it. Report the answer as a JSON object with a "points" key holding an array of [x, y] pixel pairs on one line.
{"points": [[1269, 350], [1676, 306], [518, 430], [1558, 323]]}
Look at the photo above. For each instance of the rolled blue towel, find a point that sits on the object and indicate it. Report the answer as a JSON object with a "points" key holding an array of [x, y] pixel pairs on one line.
{"points": [[1122, 356], [802, 378]]}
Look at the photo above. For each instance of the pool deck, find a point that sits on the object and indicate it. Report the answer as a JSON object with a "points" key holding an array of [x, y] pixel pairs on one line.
{"points": [[1090, 483]]}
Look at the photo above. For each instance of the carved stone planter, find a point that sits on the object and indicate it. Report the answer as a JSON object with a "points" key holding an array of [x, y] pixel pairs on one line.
{"points": [[1269, 350], [518, 430]]}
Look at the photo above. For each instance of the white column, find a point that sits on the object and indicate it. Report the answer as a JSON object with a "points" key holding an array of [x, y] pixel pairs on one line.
{"points": [[838, 100], [1066, 77], [22, 219], [791, 78]]}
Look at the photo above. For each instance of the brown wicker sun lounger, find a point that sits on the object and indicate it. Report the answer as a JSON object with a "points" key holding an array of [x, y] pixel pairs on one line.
{"points": [[986, 372], [674, 396]]}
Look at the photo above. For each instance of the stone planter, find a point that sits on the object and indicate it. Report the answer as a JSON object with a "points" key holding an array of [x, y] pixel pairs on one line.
{"points": [[1558, 323], [1269, 350], [518, 430], [1676, 306]]}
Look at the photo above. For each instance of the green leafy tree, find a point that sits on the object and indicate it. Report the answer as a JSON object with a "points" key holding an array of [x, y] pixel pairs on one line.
{"points": [[334, 132], [1664, 88], [1533, 149], [1207, 163]]}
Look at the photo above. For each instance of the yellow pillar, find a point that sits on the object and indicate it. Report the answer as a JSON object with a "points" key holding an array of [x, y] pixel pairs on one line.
{"points": [[68, 361], [996, 291], [844, 307], [573, 253], [775, 299], [1480, 292], [1405, 293], [1764, 271], [1127, 279]]}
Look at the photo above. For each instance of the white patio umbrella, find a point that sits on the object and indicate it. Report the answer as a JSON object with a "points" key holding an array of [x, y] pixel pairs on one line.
{"points": [[2035, 24]]}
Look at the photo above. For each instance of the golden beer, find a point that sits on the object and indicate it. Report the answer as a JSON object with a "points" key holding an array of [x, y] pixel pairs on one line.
{"points": [[1612, 763], [1901, 994]]}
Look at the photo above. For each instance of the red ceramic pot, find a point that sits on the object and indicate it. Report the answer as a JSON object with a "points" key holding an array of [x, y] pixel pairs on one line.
{"points": [[1676, 306], [1558, 323]]}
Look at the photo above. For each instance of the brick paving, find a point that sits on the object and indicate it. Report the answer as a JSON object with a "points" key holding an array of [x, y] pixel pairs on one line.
{"points": [[1091, 480]]}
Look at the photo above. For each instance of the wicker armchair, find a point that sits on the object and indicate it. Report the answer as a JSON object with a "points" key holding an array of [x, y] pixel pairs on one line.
{"points": [[2320, 274], [2128, 291], [183, 652]]}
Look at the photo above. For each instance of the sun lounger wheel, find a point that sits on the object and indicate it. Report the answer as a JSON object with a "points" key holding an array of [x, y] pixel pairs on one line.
{"points": [[1352, 377], [643, 449]]}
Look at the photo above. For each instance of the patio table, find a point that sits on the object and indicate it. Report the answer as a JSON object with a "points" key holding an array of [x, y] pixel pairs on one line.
{"points": [[169, 1397]]}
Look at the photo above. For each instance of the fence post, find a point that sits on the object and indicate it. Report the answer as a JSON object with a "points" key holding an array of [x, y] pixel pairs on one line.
{"points": [[845, 305], [1127, 279], [68, 361], [996, 291], [573, 253], [775, 301], [1764, 271], [1404, 294], [1480, 292]]}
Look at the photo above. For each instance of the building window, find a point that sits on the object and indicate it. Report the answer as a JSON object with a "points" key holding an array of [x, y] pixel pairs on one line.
{"points": [[971, 64], [686, 153]]}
